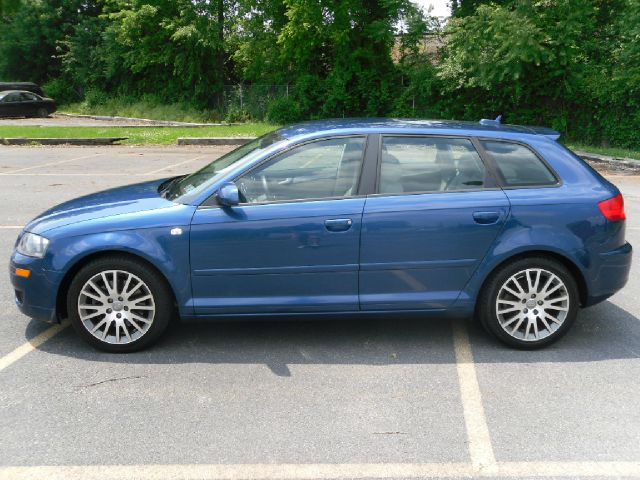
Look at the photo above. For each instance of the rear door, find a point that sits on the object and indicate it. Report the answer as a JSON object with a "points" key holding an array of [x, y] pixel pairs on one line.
{"points": [[436, 212], [29, 104]]}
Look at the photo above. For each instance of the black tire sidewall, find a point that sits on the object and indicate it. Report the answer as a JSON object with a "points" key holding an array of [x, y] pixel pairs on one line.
{"points": [[162, 297], [43, 113], [487, 305]]}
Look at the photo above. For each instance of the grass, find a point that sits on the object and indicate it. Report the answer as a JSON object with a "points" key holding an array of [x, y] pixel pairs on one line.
{"points": [[169, 135], [610, 151], [137, 135], [144, 108]]}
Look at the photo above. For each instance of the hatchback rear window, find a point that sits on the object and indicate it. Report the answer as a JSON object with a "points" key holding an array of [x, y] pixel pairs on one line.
{"points": [[520, 167]]}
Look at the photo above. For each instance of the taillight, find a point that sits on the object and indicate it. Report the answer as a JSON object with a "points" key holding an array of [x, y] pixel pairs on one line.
{"points": [[613, 208]]}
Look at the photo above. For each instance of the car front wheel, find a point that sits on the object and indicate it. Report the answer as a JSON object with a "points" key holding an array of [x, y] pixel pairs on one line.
{"points": [[119, 305], [529, 303]]}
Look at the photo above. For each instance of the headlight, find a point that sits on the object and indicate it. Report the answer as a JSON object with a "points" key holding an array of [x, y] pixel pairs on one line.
{"points": [[32, 245]]}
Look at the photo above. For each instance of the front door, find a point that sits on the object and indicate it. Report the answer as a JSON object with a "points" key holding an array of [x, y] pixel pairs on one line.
{"points": [[10, 105], [432, 221], [292, 245]]}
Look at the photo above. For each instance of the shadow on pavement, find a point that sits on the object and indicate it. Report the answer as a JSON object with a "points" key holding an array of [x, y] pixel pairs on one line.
{"points": [[603, 332]]}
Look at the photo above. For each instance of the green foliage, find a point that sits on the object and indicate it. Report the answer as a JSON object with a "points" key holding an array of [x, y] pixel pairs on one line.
{"points": [[61, 90], [570, 64], [138, 135], [283, 110], [97, 102]]}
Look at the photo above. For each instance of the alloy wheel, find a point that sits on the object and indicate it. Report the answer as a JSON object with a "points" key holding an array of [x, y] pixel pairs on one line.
{"points": [[116, 307], [532, 304]]}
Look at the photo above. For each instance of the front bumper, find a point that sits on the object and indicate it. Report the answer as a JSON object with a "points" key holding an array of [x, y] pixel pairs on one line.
{"points": [[35, 296], [611, 274]]}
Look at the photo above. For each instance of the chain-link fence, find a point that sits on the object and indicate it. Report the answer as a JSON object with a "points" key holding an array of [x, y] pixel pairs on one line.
{"points": [[251, 100]]}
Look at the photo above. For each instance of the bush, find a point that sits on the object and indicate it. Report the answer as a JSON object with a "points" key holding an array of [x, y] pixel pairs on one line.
{"points": [[95, 98], [61, 91], [236, 115], [283, 110]]}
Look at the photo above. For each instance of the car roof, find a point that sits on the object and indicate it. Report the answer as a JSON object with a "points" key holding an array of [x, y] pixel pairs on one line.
{"points": [[16, 91], [397, 125]]}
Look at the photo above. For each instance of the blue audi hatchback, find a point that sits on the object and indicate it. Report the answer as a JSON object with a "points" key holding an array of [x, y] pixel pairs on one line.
{"points": [[338, 217]]}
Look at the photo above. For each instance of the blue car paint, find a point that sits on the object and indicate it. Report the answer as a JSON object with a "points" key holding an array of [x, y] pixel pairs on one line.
{"points": [[430, 258], [240, 254], [239, 260]]}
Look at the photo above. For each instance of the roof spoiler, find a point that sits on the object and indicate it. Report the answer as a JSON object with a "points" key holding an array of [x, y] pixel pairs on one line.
{"points": [[544, 131]]}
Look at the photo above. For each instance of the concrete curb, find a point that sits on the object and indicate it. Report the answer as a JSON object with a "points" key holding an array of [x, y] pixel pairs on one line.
{"points": [[146, 121], [626, 164], [214, 141], [62, 141]]}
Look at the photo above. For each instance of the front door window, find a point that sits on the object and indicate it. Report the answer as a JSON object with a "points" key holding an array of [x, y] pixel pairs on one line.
{"points": [[317, 170]]}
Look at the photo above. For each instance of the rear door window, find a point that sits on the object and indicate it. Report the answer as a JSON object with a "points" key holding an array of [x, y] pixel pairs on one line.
{"points": [[429, 164], [519, 166]]}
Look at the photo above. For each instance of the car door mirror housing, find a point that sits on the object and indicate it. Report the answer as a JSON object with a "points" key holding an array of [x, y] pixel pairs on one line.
{"points": [[228, 195]]}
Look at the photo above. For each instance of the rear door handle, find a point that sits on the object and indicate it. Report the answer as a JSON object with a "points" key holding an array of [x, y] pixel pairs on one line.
{"points": [[486, 218], [338, 224]]}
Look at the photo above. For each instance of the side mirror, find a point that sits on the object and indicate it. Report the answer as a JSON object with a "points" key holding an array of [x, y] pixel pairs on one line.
{"points": [[228, 195]]}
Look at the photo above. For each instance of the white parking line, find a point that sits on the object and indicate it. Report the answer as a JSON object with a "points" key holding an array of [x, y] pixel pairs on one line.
{"points": [[31, 345], [323, 471], [50, 164], [94, 174], [480, 448], [177, 164], [11, 227]]}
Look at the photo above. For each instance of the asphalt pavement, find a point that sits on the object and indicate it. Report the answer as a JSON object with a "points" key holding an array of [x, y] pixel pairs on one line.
{"points": [[364, 398]]}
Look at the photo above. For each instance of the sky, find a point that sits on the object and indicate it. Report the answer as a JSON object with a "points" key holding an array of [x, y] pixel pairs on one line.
{"points": [[440, 7]]}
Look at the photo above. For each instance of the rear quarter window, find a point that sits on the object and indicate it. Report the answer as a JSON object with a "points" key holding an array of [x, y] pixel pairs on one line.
{"points": [[519, 166]]}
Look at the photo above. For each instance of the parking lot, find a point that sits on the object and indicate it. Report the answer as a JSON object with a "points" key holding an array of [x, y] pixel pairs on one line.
{"points": [[364, 398]]}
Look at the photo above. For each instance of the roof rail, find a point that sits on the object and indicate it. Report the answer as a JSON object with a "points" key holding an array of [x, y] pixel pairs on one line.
{"points": [[497, 122]]}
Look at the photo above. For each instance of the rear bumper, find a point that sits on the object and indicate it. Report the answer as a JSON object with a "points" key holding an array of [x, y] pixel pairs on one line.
{"points": [[610, 274]]}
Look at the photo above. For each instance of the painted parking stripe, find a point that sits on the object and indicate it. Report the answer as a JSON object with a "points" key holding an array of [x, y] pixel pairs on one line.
{"points": [[480, 448], [324, 471], [153, 172], [50, 164], [11, 227], [94, 174], [31, 345]]}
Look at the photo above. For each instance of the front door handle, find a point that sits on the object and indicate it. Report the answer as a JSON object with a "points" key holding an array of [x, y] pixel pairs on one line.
{"points": [[486, 218], [338, 224]]}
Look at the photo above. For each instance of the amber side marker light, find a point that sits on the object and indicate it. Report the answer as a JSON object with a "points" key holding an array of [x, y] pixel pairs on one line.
{"points": [[23, 272]]}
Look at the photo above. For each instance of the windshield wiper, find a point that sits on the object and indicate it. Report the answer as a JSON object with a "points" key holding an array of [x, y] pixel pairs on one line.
{"points": [[165, 187]]}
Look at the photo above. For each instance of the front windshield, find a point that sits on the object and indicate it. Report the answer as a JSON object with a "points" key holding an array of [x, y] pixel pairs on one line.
{"points": [[189, 183]]}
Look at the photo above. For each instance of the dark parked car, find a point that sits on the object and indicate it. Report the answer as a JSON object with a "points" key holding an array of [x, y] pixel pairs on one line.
{"points": [[349, 217], [25, 86], [19, 103]]}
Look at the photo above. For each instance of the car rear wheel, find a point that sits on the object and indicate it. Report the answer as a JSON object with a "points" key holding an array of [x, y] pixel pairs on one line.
{"points": [[529, 303], [43, 112], [119, 305]]}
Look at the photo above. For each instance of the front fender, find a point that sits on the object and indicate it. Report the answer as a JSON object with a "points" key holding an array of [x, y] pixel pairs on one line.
{"points": [[168, 253]]}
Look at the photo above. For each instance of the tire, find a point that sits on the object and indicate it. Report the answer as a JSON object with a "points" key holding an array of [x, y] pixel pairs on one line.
{"points": [[43, 113], [126, 304], [522, 310]]}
